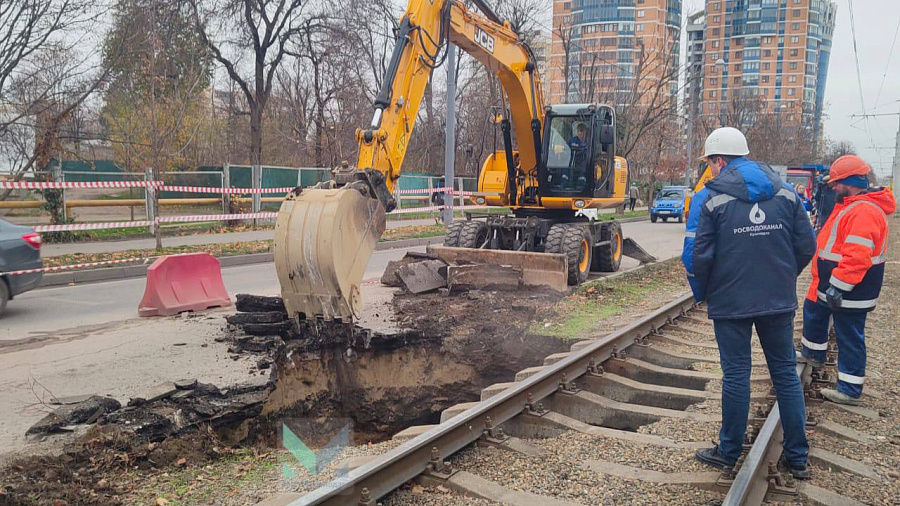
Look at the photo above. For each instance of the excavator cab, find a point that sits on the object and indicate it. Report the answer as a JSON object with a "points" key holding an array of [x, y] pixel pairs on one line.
{"points": [[578, 151]]}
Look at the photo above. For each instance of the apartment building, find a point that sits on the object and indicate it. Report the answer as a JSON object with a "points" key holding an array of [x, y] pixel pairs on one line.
{"points": [[764, 55], [602, 49]]}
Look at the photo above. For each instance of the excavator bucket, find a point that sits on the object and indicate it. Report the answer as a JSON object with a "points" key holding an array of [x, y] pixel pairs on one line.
{"points": [[323, 241]]}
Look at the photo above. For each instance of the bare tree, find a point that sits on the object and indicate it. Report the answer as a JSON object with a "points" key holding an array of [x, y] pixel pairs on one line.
{"points": [[28, 27], [835, 149], [256, 30], [44, 77]]}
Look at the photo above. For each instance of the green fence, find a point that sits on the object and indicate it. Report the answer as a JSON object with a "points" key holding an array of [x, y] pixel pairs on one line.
{"points": [[240, 176]]}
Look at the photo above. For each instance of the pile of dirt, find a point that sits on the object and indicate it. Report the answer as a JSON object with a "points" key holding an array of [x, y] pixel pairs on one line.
{"points": [[485, 329], [100, 468]]}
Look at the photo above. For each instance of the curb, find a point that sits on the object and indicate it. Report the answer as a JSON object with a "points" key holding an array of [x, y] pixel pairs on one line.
{"points": [[635, 219], [137, 271]]}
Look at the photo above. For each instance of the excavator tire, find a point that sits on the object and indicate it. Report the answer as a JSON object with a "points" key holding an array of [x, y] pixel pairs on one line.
{"points": [[608, 258], [473, 234], [554, 240], [453, 232], [575, 243]]}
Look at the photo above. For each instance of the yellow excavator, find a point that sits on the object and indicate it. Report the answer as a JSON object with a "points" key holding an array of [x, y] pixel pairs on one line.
{"points": [[563, 162]]}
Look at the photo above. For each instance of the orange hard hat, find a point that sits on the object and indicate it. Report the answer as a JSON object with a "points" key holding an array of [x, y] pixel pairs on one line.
{"points": [[846, 166]]}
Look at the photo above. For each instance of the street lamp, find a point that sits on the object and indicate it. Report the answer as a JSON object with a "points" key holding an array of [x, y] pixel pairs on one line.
{"points": [[720, 64]]}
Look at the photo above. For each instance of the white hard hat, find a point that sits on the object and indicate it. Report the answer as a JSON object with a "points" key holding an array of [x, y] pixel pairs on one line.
{"points": [[725, 141]]}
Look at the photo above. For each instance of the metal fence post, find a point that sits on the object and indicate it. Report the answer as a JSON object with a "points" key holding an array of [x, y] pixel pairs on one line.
{"points": [[226, 183], [256, 175], [450, 133], [256, 183], [58, 175], [150, 197]]}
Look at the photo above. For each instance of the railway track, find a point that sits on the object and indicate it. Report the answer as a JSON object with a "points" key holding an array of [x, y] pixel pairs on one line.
{"points": [[655, 370]]}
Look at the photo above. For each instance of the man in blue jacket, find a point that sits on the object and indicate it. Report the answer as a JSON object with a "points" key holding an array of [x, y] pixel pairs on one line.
{"points": [[747, 240]]}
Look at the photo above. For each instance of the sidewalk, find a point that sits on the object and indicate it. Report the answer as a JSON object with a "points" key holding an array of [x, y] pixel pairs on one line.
{"points": [[49, 250]]}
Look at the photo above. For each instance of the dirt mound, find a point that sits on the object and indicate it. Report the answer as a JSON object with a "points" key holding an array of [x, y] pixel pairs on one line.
{"points": [[99, 469], [485, 329]]}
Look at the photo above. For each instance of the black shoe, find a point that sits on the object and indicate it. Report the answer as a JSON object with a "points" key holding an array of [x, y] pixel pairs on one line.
{"points": [[798, 472], [711, 456]]}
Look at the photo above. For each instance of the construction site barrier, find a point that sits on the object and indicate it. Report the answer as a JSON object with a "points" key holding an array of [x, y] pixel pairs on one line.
{"points": [[185, 282]]}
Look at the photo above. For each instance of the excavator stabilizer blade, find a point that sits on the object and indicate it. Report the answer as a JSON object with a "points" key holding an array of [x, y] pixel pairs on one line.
{"points": [[538, 269], [323, 241]]}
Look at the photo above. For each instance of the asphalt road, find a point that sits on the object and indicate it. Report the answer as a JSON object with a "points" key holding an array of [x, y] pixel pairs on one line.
{"points": [[49, 310]]}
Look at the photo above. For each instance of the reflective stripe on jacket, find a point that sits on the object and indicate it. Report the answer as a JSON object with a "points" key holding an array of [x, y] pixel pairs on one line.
{"points": [[851, 250], [747, 239]]}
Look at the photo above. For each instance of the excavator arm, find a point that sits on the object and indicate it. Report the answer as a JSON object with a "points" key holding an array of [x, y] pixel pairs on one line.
{"points": [[418, 50], [324, 236]]}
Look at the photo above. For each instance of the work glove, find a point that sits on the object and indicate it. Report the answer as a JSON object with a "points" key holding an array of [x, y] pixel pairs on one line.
{"points": [[834, 296]]}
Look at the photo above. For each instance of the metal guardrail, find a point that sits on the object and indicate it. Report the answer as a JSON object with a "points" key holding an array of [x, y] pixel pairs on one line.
{"points": [[393, 469]]}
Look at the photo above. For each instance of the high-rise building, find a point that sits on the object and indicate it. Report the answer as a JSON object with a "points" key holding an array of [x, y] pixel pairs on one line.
{"points": [[601, 50], [765, 56], [696, 27]]}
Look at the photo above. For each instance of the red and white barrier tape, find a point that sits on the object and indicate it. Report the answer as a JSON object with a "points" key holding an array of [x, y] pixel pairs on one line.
{"points": [[210, 217], [71, 266], [92, 226], [216, 217], [73, 185], [213, 189], [423, 191], [428, 191], [416, 210], [49, 185]]}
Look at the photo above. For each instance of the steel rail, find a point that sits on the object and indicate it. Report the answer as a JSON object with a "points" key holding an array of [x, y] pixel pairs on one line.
{"points": [[391, 470], [751, 484]]}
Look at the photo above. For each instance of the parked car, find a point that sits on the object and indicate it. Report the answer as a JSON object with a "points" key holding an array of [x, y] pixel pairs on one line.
{"points": [[669, 203], [20, 249]]}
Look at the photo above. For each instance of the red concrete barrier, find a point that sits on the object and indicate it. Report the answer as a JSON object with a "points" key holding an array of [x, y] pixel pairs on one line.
{"points": [[186, 282]]}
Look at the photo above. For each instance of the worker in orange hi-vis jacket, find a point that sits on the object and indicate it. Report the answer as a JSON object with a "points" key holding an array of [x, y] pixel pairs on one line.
{"points": [[847, 271]]}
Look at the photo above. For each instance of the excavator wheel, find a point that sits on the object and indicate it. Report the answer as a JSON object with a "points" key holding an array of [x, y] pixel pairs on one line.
{"points": [[453, 232], [575, 243], [608, 258], [473, 234]]}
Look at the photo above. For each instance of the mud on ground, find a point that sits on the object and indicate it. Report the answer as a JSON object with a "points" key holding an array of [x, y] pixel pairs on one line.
{"points": [[451, 347]]}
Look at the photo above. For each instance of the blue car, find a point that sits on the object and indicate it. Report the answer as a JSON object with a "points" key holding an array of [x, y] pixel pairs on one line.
{"points": [[669, 203]]}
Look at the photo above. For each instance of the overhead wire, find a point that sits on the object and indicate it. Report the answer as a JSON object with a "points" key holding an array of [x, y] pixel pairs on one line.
{"points": [[887, 65], [862, 101]]}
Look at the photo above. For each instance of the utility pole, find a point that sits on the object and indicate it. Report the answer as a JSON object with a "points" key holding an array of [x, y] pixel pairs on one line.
{"points": [[895, 170], [450, 133], [690, 102]]}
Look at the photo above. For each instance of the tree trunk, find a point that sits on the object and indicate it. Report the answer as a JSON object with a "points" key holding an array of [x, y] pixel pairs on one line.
{"points": [[320, 135], [256, 112]]}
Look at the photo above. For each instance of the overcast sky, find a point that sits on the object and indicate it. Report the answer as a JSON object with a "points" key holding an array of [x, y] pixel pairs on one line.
{"points": [[876, 23]]}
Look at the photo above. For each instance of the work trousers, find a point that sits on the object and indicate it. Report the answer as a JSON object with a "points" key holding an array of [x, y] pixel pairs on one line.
{"points": [[850, 331], [776, 337], [631, 202]]}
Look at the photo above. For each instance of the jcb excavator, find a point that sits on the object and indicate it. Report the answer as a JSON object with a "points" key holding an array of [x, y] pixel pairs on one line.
{"points": [[564, 162]]}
